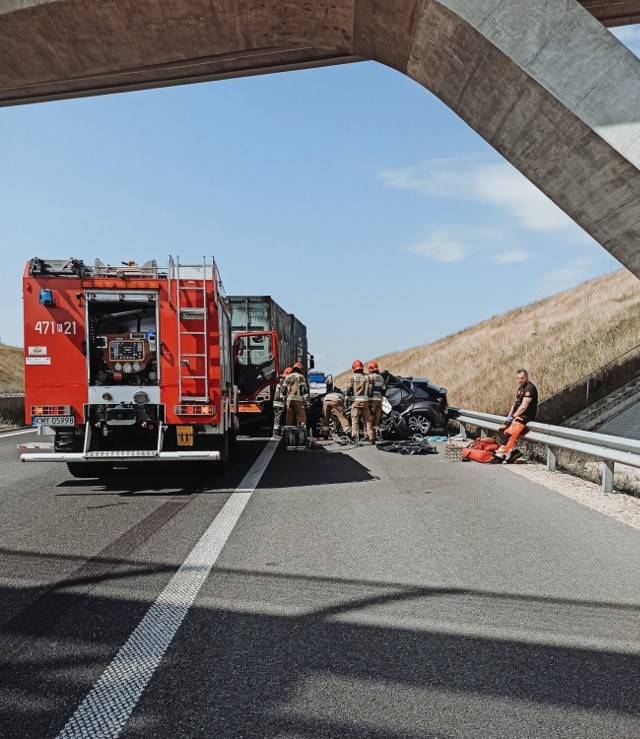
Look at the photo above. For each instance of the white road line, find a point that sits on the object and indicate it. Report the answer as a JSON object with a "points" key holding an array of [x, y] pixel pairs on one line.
{"points": [[16, 433], [107, 707]]}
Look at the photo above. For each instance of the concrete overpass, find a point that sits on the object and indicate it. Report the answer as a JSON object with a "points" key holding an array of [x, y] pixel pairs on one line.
{"points": [[544, 83]]}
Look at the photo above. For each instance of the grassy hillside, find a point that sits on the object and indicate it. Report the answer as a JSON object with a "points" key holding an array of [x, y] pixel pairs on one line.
{"points": [[558, 340], [11, 369]]}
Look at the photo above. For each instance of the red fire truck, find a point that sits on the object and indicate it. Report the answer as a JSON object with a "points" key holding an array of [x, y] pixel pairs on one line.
{"points": [[128, 363]]}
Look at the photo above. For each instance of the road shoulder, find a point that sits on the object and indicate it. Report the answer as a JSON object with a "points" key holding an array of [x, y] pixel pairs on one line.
{"points": [[621, 507]]}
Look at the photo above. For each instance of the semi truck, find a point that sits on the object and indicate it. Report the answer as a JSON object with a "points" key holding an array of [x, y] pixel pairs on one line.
{"points": [[128, 363], [266, 339]]}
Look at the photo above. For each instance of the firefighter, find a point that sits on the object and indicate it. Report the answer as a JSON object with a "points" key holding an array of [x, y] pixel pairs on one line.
{"points": [[359, 389], [297, 396], [523, 410], [334, 403], [278, 402], [377, 393]]}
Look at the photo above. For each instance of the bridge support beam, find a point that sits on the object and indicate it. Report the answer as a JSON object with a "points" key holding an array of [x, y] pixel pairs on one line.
{"points": [[555, 93], [543, 82]]}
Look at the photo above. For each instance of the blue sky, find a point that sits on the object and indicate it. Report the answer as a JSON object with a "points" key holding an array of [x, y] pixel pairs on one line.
{"points": [[350, 194]]}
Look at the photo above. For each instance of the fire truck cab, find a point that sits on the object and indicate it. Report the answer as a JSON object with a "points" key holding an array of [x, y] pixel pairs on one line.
{"points": [[128, 363]]}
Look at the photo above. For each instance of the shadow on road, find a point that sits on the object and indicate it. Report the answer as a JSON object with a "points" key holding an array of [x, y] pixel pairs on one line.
{"points": [[235, 673], [317, 467], [168, 478]]}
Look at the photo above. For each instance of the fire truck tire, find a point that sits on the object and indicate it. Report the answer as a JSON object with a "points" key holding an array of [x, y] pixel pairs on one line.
{"points": [[85, 470]]}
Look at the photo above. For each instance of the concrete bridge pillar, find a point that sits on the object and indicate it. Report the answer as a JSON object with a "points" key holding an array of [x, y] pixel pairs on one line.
{"points": [[542, 81]]}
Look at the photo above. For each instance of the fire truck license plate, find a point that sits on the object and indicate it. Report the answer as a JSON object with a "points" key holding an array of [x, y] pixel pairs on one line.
{"points": [[54, 421]]}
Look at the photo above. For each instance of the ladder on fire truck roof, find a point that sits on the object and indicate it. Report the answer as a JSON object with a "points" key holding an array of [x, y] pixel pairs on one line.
{"points": [[190, 282]]}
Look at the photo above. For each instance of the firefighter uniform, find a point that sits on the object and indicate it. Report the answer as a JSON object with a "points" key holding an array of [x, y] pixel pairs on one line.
{"points": [[296, 397], [334, 403], [359, 389], [378, 388], [278, 402]]}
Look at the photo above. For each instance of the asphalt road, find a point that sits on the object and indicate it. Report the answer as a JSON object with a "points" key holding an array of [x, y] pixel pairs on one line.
{"points": [[360, 595]]}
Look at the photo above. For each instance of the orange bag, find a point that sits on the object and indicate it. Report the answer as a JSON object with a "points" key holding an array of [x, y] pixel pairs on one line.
{"points": [[485, 442], [473, 454]]}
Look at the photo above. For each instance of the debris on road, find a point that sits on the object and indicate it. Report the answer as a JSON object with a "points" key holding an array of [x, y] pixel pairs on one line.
{"points": [[408, 446]]}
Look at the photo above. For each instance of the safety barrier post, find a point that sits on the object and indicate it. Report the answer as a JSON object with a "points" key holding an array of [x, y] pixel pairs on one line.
{"points": [[607, 476], [552, 459]]}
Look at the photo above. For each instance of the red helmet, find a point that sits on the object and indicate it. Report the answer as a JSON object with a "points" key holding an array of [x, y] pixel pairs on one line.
{"points": [[287, 371], [298, 366], [357, 365], [373, 365]]}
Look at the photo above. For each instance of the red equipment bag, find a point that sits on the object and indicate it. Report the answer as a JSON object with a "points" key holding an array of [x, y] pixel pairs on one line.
{"points": [[473, 454], [485, 442], [481, 450]]}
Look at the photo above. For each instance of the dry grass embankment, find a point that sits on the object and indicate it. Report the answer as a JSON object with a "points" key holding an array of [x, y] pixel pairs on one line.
{"points": [[558, 339], [11, 369]]}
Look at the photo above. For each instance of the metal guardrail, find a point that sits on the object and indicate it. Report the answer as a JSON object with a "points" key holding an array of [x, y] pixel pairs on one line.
{"points": [[12, 408], [609, 449]]}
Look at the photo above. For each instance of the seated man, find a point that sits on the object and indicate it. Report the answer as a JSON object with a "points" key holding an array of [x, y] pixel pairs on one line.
{"points": [[522, 411]]}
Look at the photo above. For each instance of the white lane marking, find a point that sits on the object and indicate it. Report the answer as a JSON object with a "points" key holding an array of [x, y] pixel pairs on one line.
{"points": [[16, 433], [107, 707]]}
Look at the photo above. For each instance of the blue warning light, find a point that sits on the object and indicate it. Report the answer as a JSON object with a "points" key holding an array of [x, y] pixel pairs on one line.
{"points": [[45, 297]]}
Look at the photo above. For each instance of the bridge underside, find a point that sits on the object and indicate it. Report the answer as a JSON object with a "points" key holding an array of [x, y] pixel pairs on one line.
{"points": [[54, 49], [544, 83]]}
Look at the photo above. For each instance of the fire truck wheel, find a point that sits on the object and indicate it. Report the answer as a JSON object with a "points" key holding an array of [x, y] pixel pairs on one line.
{"points": [[85, 470]]}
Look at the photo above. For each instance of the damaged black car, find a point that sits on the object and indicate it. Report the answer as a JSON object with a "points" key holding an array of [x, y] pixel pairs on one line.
{"points": [[415, 403], [412, 406]]}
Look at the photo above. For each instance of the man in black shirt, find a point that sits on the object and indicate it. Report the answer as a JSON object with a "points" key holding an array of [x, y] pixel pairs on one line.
{"points": [[522, 411]]}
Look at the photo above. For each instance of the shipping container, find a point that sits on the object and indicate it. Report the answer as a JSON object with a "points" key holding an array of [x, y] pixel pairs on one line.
{"points": [[266, 340]]}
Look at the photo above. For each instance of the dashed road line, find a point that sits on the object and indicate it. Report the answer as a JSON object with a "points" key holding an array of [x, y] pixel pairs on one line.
{"points": [[7, 434], [106, 709]]}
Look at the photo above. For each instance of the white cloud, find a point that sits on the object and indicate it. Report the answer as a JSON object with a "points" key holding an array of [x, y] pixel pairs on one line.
{"points": [[456, 243], [512, 256], [434, 177], [438, 246], [505, 187], [497, 185], [565, 277]]}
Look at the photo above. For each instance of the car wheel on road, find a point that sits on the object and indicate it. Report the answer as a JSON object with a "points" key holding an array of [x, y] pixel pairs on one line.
{"points": [[419, 423]]}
